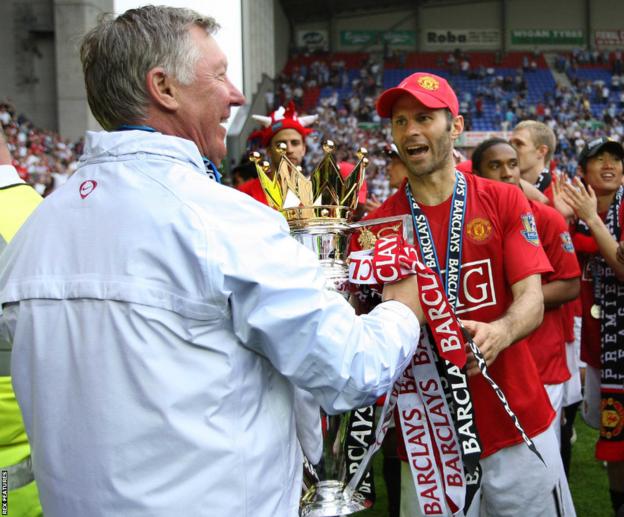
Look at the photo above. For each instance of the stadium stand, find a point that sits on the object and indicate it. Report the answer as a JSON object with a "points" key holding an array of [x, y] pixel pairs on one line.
{"points": [[496, 91]]}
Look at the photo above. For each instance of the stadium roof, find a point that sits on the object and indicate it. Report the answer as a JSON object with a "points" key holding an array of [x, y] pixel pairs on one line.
{"points": [[298, 11]]}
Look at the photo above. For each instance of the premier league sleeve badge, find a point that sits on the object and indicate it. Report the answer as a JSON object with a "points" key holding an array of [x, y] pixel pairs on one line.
{"points": [[530, 229]]}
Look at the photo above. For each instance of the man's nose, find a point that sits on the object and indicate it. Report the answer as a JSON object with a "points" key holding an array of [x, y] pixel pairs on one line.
{"points": [[507, 171], [413, 127], [236, 97]]}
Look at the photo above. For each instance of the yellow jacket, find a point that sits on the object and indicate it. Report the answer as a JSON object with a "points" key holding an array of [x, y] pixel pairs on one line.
{"points": [[17, 201]]}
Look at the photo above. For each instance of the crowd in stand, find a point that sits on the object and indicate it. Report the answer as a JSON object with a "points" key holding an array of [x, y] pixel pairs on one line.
{"points": [[45, 159], [580, 57], [42, 157], [351, 121]]}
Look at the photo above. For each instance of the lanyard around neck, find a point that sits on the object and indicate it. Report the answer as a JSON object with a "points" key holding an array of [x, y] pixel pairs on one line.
{"points": [[454, 241]]}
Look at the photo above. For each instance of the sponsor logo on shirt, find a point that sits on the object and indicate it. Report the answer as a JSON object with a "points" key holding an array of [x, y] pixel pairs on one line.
{"points": [[477, 286], [566, 240], [530, 230], [86, 187], [479, 230]]}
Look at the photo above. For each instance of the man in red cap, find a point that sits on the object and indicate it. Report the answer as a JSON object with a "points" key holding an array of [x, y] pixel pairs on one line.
{"points": [[283, 126], [480, 237]]}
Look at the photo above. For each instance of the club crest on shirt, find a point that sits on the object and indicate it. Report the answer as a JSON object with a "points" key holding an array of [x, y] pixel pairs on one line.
{"points": [[479, 230], [530, 230], [566, 241], [612, 418]]}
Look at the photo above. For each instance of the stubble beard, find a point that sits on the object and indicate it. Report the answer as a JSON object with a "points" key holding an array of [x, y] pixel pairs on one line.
{"points": [[438, 162]]}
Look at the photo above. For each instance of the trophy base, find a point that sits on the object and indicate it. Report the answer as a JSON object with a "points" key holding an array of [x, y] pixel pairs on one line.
{"points": [[330, 499]]}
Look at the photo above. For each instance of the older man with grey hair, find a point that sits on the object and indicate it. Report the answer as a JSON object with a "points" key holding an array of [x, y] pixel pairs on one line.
{"points": [[161, 321]]}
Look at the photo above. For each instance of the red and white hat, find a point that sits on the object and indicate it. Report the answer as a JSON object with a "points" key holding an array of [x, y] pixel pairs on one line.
{"points": [[282, 118], [429, 89]]}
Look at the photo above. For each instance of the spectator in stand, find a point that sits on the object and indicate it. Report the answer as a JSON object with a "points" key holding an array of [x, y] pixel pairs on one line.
{"points": [[479, 106], [617, 63], [465, 66], [598, 202]]}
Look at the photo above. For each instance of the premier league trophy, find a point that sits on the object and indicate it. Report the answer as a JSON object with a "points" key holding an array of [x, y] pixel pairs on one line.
{"points": [[319, 211]]}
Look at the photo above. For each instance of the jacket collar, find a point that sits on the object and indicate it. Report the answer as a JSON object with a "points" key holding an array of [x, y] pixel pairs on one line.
{"points": [[101, 145]]}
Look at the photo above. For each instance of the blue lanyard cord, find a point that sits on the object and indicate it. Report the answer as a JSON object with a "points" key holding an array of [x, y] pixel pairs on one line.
{"points": [[423, 233], [130, 127], [454, 241], [211, 168]]}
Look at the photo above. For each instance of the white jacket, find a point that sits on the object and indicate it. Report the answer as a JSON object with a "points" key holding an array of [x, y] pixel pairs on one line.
{"points": [[162, 321]]}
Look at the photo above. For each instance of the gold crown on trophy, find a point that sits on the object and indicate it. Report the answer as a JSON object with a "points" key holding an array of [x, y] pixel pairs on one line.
{"points": [[325, 197]]}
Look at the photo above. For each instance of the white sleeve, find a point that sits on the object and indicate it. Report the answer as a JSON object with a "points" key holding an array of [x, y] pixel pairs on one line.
{"points": [[281, 310]]}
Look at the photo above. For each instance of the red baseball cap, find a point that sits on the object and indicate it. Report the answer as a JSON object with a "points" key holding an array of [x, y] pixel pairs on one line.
{"points": [[429, 89]]}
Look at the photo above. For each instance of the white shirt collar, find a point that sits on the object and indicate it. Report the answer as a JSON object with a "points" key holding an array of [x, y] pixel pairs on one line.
{"points": [[9, 176]]}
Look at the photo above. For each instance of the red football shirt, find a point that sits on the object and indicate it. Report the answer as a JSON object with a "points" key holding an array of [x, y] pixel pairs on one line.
{"points": [[253, 188], [569, 311], [498, 250], [547, 342], [548, 192]]}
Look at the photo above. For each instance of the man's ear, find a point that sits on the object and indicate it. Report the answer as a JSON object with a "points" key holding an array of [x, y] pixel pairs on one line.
{"points": [[162, 89], [542, 150], [457, 126]]}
